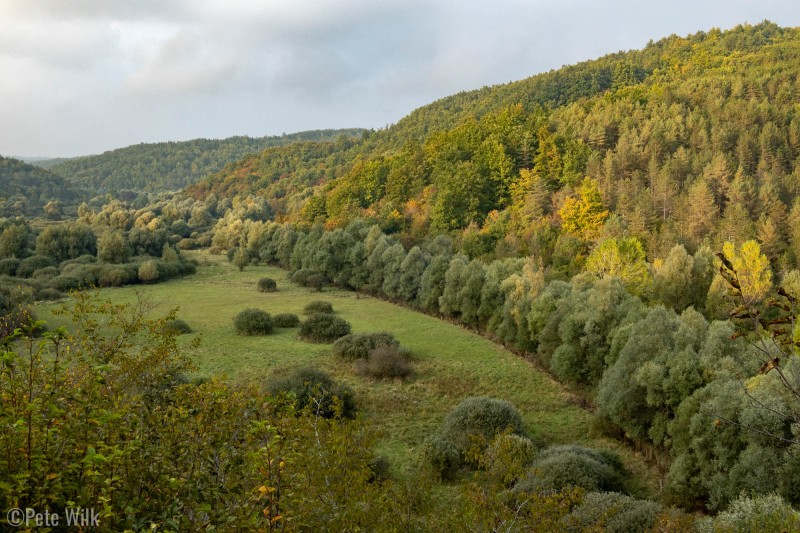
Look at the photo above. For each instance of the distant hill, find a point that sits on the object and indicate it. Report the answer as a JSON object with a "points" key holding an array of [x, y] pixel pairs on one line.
{"points": [[690, 140], [26, 190], [170, 165]]}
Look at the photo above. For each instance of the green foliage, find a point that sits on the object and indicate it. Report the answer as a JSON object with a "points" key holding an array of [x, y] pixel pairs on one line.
{"points": [[623, 259], [768, 513], [316, 391], [148, 271], [172, 165], [285, 320], [253, 322], [386, 362], [318, 306], [9, 266], [359, 345], [562, 467], [267, 285], [442, 457], [481, 417], [29, 265], [27, 189], [323, 327], [177, 326], [613, 512]]}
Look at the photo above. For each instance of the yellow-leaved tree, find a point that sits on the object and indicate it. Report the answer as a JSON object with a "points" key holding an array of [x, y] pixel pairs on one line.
{"points": [[583, 217], [752, 270]]}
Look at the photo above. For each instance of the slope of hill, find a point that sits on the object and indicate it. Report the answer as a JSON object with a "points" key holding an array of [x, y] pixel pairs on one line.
{"points": [[171, 165], [26, 190], [689, 140]]}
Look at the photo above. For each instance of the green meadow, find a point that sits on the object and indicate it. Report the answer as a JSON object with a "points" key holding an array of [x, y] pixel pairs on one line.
{"points": [[451, 362]]}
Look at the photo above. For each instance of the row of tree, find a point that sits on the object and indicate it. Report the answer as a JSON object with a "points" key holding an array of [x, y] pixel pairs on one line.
{"points": [[646, 350]]}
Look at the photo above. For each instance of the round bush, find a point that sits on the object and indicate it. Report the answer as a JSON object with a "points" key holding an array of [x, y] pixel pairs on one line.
{"points": [[253, 322], [31, 264], [480, 416], [267, 285], [49, 294], [9, 266], [148, 271], [64, 283], [386, 362], [767, 513], [176, 326], [613, 512], [318, 392], [324, 328], [85, 274], [112, 276], [442, 456], [286, 320], [318, 306], [380, 469], [359, 345], [508, 456], [44, 274], [306, 277], [564, 467]]}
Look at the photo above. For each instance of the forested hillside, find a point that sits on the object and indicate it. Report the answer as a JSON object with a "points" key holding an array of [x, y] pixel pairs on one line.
{"points": [[28, 190], [689, 140], [171, 165]]}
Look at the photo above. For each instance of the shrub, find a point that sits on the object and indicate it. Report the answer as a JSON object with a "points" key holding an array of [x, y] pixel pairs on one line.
{"points": [[324, 328], [306, 277], [31, 264], [613, 512], [442, 456], [253, 322], [359, 345], [286, 320], [480, 416], [318, 306], [176, 326], [386, 362], [267, 285], [380, 469], [85, 274], [114, 276], [148, 271], [318, 392], [64, 283], [49, 294], [508, 457], [564, 467], [44, 274], [9, 266], [767, 513]]}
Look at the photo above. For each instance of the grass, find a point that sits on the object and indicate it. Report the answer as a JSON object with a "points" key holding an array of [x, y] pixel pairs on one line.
{"points": [[451, 362]]}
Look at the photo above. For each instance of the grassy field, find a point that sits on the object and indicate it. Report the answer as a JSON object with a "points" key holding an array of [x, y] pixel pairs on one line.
{"points": [[451, 362]]}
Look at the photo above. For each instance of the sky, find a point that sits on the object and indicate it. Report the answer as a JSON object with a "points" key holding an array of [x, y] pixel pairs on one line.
{"points": [[80, 77]]}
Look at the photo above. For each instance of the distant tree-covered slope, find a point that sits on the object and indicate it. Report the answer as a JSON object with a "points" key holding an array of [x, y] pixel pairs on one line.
{"points": [[171, 165], [27, 190], [690, 140]]}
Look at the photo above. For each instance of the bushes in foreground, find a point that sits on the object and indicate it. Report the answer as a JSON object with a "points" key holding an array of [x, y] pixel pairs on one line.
{"points": [[613, 512], [483, 417], [253, 322], [469, 429], [318, 391], [566, 467], [324, 328]]}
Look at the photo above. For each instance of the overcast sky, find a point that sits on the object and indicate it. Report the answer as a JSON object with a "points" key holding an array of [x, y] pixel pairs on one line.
{"points": [[84, 76]]}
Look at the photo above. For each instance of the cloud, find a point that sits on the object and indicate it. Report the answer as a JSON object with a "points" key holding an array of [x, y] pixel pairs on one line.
{"points": [[82, 76]]}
